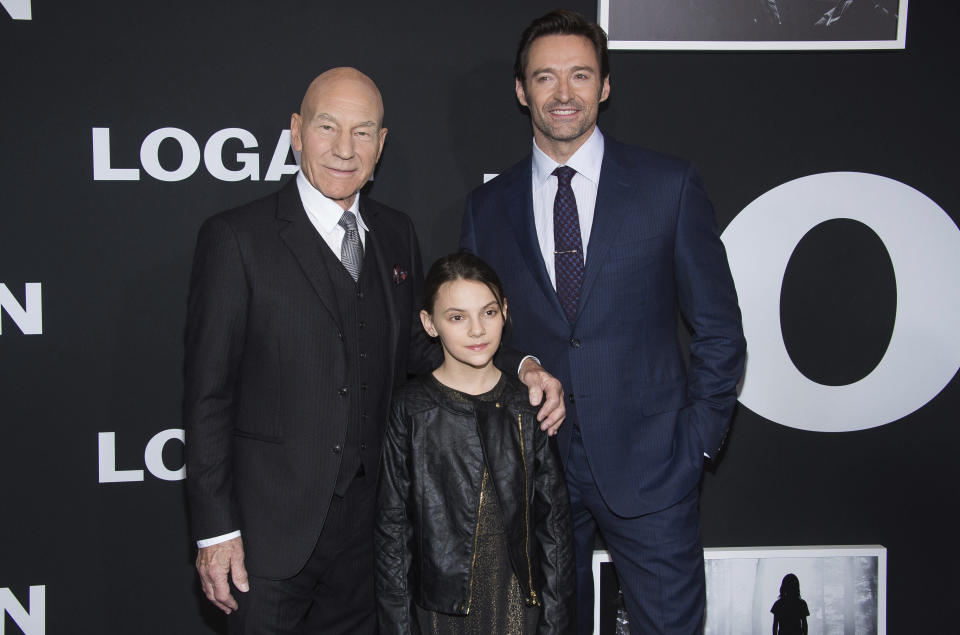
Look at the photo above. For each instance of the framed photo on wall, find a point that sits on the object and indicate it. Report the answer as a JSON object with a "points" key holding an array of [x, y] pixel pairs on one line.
{"points": [[843, 589], [761, 25]]}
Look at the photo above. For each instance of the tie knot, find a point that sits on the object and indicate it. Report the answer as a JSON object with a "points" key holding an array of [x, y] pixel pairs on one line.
{"points": [[564, 174], [348, 221]]}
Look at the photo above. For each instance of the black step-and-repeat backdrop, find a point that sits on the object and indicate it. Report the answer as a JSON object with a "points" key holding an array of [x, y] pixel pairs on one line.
{"points": [[125, 124]]}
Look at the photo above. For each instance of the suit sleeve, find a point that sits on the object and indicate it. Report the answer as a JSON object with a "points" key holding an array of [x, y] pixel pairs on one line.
{"points": [[708, 300], [425, 354], [214, 336], [393, 534], [468, 236], [553, 526]]}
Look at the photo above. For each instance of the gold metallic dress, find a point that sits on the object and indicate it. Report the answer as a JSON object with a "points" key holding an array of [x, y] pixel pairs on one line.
{"points": [[497, 606]]}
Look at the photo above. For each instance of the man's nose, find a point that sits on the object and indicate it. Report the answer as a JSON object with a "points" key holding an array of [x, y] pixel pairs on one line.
{"points": [[343, 145], [563, 90]]}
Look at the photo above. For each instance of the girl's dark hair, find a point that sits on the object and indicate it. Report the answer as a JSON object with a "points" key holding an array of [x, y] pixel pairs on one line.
{"points": [[459, 266], [790, 587]]}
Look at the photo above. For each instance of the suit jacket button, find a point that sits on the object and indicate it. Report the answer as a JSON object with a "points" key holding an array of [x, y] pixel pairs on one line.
{"points": [[336, 449], [343, 391], [570, 397], [574, 342]]}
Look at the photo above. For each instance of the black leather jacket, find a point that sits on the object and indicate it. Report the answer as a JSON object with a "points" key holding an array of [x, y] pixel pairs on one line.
{"points": [[435, 454]]}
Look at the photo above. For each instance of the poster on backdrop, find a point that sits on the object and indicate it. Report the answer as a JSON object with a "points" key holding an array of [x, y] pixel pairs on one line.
{"points": [[763, 25], [832, 589]]}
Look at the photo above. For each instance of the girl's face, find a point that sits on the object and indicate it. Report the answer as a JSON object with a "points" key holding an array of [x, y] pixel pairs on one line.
{"points": [[468, 320]]}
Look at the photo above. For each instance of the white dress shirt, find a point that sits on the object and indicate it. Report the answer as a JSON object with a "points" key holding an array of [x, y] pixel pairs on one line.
{"points": [[325, 213], [586, 161]]}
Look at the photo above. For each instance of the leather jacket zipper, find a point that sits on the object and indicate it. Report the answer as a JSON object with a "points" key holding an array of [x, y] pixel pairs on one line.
{"points": [[476, 541], [526, 507]]}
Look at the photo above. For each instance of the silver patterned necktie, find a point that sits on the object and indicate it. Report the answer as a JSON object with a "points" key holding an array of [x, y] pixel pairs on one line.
{"points": [[351, 251]]}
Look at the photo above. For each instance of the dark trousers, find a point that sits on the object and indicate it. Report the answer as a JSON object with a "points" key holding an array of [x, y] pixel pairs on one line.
{"points": [[334, 591], [658, 557]]}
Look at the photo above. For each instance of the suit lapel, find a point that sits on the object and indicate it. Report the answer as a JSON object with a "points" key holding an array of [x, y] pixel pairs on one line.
{"points": [[614, 194], [301, 237], [378, 243], [525, 230]]}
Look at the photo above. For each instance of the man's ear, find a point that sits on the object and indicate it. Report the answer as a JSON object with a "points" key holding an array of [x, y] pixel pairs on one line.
{"points": [[521, 93], [427, 323], [383, 137], [295, 140]]}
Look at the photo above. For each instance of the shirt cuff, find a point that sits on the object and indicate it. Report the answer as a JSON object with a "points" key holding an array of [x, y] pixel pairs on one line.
{"points": [[525, 358], [216, 540]]}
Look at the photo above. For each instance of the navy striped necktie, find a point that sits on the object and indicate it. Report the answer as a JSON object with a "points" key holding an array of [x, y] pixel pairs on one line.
{"points": [[567, 243]]}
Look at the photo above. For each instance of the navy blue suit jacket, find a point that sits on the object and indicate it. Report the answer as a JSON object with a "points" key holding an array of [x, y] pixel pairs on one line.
{"points": [[645, 418]]}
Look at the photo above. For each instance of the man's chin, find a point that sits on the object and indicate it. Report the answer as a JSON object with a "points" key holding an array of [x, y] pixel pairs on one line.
{"points": [[567, 132], [338, 193]]}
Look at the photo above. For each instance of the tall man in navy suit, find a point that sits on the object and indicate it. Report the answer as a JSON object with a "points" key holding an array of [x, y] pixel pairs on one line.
{"points": [[599, 245]]}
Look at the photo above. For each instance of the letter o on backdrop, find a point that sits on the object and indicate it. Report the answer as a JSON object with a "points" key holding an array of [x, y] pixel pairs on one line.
{"points": [[924, 350], [150, 154]]}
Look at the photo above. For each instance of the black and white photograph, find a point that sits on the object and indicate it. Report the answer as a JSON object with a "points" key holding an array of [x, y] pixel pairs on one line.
{"points": [[755, 24], [834, 590]]}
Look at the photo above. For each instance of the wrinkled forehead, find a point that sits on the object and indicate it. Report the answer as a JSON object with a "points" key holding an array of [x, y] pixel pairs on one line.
{"points": [[353, 95]]}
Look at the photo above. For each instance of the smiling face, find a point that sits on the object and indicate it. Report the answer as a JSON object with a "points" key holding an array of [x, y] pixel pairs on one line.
{"points": [[563, 90], [468, 319], [338, 133]]}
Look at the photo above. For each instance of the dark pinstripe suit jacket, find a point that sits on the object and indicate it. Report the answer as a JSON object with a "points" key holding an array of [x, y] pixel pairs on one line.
{"points": [[264, 362]]}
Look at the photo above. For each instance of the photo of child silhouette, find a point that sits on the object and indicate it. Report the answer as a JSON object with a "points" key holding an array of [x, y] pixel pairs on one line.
{"points": [[790, 611]]}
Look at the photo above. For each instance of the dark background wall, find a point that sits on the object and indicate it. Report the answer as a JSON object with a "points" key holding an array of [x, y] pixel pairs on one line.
{"points": [[113, 259]]}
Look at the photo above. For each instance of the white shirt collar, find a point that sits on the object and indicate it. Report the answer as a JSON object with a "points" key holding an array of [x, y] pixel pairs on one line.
{"points": [[586, 160], [325, 212]]}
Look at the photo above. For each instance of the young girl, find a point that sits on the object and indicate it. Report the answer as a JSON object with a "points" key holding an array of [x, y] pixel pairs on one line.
{"points": [[473, 529], [790, 611]]}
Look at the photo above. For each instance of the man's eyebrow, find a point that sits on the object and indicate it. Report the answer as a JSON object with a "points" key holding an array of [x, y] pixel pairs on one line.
{"points": [[325, 116], [550, 69]]}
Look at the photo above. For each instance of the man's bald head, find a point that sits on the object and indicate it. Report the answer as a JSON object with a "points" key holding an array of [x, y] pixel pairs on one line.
{"points": [[342, 80], [339, 133]]}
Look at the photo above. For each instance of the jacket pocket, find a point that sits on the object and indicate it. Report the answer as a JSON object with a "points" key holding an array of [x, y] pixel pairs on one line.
{"points": [[246, 434], [663, 398]]}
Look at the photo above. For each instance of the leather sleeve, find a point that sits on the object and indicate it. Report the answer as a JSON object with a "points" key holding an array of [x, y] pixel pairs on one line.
{"points": [[393, 533], [553, 526]]}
